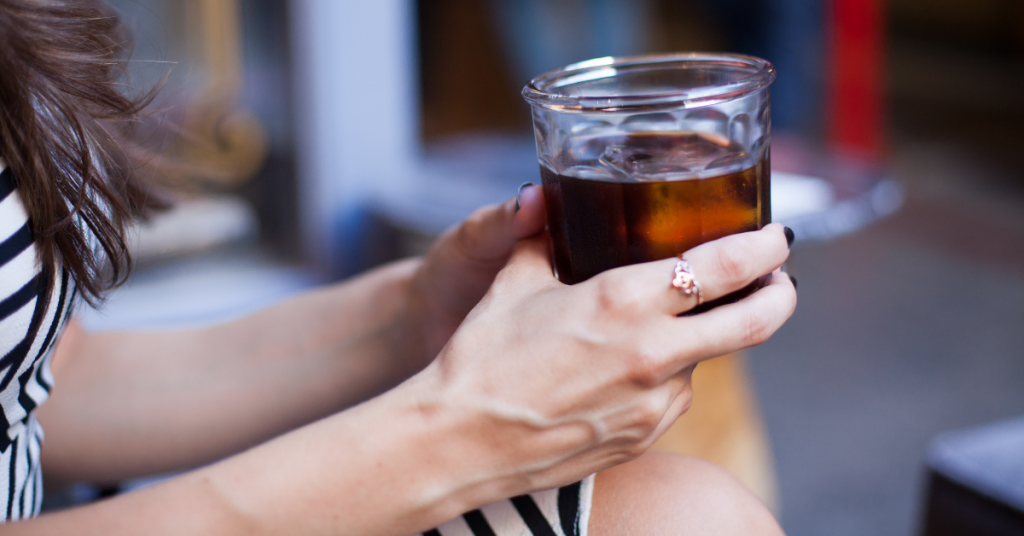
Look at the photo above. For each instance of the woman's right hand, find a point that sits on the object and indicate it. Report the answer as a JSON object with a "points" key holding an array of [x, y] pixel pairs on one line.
{"points": [[554, 382]]}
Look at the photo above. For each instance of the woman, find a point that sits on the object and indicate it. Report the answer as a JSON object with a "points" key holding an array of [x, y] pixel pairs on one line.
{"points": [[489, 379]]}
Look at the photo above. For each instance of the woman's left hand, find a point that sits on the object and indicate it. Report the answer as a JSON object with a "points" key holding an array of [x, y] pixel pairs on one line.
{"points": [[457, 271]]}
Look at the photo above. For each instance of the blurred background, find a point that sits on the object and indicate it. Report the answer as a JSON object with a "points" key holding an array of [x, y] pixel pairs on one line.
{"points": [[334, 135]]}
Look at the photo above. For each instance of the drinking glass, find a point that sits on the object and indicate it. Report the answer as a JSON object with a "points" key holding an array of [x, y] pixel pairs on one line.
{"points": [[644, 157]]}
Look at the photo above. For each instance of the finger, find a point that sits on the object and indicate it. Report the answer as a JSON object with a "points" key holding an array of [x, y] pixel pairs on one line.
{"points": [[487, 236], [643, 415], [673, 344], [720, 267], [680, 403], [733, 262], [484, 238], [530, 217], [735, 326]]}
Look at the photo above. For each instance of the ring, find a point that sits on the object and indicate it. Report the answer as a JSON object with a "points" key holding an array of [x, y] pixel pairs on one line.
{"points": [[685, 281]]}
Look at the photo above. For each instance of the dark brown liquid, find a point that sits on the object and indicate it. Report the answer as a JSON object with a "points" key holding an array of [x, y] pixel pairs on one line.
{"points": [[650, 196]]}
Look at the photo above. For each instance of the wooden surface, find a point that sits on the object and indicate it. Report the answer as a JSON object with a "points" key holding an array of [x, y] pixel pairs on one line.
{"points": [[724, 426]]}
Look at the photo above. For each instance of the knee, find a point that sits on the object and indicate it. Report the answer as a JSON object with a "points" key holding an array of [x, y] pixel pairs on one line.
{"points": [[662, 494]]}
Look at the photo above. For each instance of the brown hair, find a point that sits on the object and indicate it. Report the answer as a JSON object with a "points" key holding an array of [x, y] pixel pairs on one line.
{"points": [[65, 135]]}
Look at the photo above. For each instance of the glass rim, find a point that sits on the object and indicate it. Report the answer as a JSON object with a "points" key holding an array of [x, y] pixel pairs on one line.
{"points": [[538, 90]]}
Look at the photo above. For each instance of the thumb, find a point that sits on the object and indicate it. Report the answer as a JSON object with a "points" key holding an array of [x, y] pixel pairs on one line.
{"points": [[489, 234], [530, 216]]}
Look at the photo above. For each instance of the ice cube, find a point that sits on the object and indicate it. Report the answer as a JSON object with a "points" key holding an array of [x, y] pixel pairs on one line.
{"points": [[722, 164], [592, 172], [639, 164], [617, 157]]}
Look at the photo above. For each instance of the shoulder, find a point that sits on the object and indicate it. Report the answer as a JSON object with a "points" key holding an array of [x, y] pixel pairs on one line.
{"points": [[34, 303], [22, 277], [19, 262], [15, 231]]}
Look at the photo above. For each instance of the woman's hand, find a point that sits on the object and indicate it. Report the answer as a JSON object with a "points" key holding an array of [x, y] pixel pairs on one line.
{"points": [[555, 382], [542, 384], [459, 268], [136, 403]]}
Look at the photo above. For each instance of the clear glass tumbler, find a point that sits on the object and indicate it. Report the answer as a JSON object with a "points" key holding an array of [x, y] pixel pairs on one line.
{"points": [[645, 157]]}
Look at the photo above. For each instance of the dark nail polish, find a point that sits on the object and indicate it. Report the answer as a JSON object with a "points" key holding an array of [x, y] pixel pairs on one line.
{"points": [[793, 279], [789, 236], [520, 192]]}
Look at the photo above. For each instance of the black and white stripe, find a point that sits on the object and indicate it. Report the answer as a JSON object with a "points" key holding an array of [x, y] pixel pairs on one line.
{"points": [[29, 329], [555, 512]]}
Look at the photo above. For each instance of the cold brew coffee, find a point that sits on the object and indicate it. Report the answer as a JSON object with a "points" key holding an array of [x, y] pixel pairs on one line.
{"points": [[641, 196]]}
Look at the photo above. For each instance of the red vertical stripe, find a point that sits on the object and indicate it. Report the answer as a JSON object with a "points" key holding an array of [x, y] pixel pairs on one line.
{"points": [[855, 101]]}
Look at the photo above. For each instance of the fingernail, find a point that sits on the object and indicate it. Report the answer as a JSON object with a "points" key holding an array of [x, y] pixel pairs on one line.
{"points": [[520, 192], [793, 279], [789, 236]]}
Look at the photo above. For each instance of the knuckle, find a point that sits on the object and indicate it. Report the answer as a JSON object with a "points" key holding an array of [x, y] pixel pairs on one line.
{"points": [[648, 442], [731, 261], [687, 397], [757, 327], [791, 304], [478, 217], [607, 300], [473, 239], [615, 293], [645, 366], [649, 415], [687, 404], [636, 450], [470, 229]]}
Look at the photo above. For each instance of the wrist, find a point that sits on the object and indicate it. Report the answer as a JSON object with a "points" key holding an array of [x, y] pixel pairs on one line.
{"points": [[382, 467], [430, 456], [463, 466]]}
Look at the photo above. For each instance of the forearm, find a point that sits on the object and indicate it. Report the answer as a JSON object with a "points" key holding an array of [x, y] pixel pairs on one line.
{"points": [[131, 404], [386, 467]]}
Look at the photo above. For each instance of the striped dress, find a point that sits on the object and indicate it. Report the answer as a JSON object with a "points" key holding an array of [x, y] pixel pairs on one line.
{"points": [[28, 329], [555, 512]]}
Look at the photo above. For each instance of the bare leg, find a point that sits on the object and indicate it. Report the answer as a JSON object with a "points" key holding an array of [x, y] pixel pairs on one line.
{"points": [[667, 494]]}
